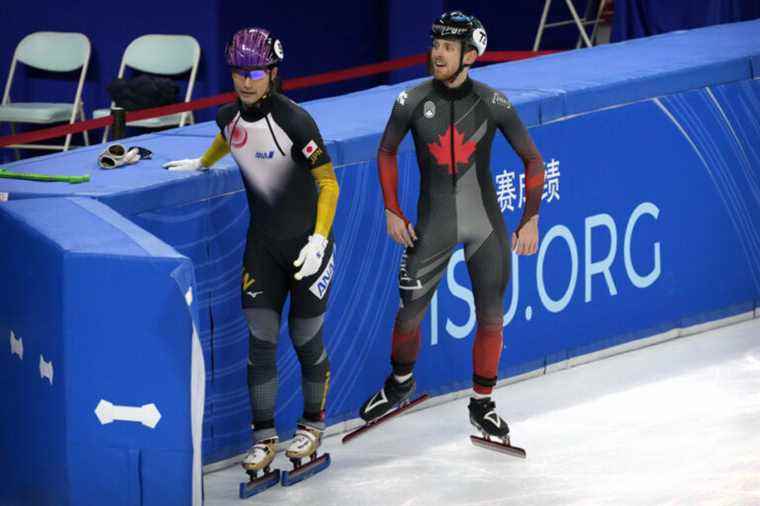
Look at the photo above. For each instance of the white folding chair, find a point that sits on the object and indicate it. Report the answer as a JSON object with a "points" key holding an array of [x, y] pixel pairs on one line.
{"points": [[52, 52], [165, 55]]}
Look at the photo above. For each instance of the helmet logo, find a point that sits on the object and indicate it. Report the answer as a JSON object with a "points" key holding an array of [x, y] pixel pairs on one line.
{"points": [[444, 30], [428, 110], [480, 40], [278, 49]]}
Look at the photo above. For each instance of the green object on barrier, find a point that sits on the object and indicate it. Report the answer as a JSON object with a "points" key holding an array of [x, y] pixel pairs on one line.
{"points": [[44, 178]]}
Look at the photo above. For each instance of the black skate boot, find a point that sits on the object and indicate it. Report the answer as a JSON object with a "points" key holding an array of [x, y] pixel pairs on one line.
{"points": [[380, 407], [484, 417], [495, 430], [391, 395]]}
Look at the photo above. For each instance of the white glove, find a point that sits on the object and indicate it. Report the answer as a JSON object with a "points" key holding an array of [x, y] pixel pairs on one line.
{"points": [[311, 256], [186, 164], [117, 155]]}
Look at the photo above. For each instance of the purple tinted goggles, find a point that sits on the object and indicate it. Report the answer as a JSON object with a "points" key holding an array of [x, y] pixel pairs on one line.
{"points": [[254, 73]]}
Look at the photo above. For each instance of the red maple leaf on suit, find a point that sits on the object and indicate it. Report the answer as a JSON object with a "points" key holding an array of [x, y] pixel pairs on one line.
{"points": [[441, 149]]}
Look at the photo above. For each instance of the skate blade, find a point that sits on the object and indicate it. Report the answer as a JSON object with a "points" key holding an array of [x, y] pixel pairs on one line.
{"points": [[260, 484], [306, 471], [498, 447], [367, 426]]}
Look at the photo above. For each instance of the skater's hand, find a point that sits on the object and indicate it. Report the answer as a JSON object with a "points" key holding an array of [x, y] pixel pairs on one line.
{"points": [[525, 239], [399, 230], [310, 256], [184, 165]]}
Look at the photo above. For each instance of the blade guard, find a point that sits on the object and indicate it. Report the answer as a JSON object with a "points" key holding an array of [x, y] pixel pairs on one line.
{"points": [[260, 484], [305, 471]]}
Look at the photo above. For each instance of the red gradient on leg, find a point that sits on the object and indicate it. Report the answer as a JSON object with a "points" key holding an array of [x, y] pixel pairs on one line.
{"points": [[406, 344], [486, 352]]}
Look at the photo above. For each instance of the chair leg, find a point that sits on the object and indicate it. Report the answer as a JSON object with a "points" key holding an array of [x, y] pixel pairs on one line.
{"points": [[105, 134], [541, 25], [578, 22]]}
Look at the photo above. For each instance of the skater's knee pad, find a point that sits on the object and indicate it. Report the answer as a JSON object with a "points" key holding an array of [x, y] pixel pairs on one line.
{"points": [[303, 330], [261, 353], [263, 323], [313, 358]]}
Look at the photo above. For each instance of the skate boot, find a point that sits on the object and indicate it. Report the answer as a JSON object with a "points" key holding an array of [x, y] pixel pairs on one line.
{"points": [[305, 442], [304, 446], [392, 394], [494, 430], [484, 417], [380, 407], [261, 455], [259, 459]]}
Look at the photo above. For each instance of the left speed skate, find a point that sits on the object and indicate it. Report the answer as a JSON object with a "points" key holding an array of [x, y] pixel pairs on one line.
{"points": [[259, 460], [302, 453], [494, 430]]}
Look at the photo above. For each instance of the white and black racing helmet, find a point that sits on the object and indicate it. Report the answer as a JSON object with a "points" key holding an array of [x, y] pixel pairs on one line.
{"points": [[456, 25]]}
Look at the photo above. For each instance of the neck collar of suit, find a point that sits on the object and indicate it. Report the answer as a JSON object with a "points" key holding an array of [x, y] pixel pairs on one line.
{"points": [[457, 93], [256, 111]]}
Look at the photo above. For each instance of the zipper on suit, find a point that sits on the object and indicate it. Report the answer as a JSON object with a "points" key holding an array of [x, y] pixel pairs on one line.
{"points": [[453, 153], [271, 131]]}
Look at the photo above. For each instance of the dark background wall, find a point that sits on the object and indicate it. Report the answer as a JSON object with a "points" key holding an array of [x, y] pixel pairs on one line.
{"points": [[317, 37], [641, 18]]}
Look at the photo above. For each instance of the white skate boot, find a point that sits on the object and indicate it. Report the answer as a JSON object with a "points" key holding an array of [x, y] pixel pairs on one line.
{"points": [[304, 446], [261, 455], [305, 442], [259, 458]]}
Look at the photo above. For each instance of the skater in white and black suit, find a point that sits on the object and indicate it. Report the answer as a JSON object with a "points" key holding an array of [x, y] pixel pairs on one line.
{"points": [[292, 195]]}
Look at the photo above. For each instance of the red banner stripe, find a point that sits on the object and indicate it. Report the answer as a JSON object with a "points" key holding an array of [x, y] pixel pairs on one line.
{"points": [[289, 84], [51, 133]]}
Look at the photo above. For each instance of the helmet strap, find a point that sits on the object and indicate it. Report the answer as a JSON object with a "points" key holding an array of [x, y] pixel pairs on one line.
{"points": [[461, 67], [270, 89]]}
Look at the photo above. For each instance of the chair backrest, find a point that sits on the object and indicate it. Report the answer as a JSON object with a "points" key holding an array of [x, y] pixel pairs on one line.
{"points": [[54, 51], [166, 55], [162, 54]]}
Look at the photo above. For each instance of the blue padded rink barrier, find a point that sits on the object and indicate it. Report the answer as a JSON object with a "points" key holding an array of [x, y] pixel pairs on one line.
{"points": [[126, 289]]}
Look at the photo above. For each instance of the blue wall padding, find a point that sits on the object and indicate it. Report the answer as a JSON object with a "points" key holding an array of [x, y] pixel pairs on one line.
{"points": [[103, 301]]}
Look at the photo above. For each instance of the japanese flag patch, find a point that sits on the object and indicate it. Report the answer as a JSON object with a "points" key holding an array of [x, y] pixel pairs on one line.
{"points": [[309, 149]]}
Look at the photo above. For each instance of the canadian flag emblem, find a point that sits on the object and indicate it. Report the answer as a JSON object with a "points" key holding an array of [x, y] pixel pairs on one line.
{"points": [[310, 148]]}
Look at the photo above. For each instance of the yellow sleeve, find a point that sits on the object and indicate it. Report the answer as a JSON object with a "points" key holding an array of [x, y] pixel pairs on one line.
{"points": [[218, 149], [328, 198]]}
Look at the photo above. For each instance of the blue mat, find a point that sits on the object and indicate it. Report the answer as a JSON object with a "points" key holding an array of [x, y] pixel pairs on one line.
{"points": [[102, 313]]}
